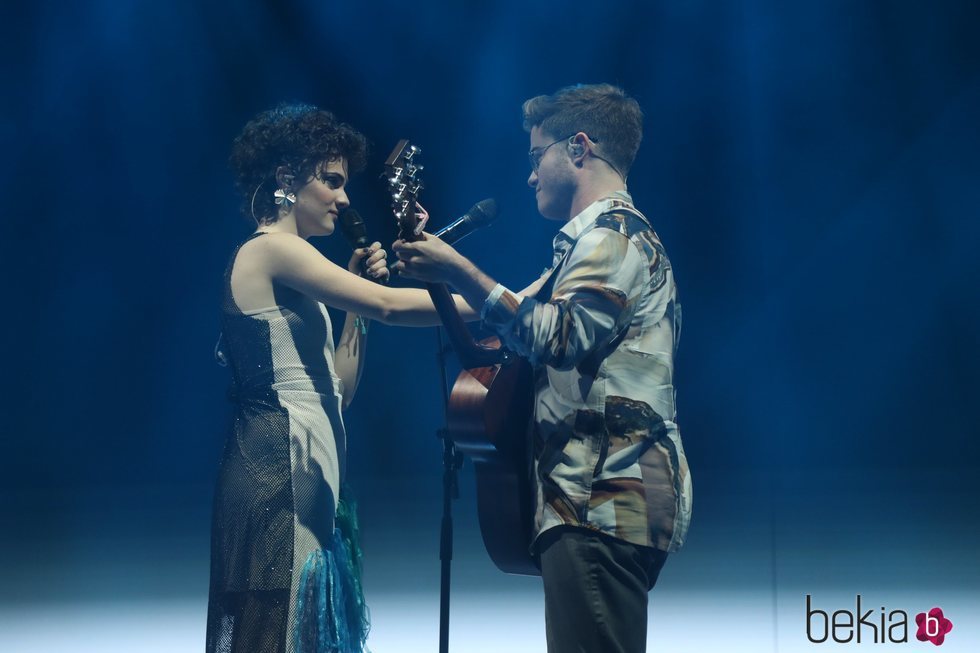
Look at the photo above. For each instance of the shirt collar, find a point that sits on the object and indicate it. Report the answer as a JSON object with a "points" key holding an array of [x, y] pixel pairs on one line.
{"points": [[572, 229]]}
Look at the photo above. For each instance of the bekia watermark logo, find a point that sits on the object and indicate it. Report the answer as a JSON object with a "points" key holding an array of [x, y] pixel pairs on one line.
{"points": [[933, 626], [873, 626]]}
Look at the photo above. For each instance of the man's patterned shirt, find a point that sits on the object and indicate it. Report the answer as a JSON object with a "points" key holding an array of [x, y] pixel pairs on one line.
{"points": [[607, 450]]}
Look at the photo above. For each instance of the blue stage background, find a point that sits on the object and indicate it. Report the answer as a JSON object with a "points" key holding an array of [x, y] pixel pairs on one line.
{"points": [[812, 169]]}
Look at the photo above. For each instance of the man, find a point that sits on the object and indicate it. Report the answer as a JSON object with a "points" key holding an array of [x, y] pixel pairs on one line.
{"points": [[612, 482]]}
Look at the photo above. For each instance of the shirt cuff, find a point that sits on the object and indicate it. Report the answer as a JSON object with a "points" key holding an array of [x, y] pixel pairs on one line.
{"points": [[500, 309], [492, 300]]}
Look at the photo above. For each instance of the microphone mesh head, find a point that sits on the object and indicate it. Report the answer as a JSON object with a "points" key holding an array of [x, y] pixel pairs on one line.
{"points": [[353, 227], [484, 212]]}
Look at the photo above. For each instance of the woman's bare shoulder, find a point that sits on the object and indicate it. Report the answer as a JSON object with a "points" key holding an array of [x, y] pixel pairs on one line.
{"points": [[276, 249]]}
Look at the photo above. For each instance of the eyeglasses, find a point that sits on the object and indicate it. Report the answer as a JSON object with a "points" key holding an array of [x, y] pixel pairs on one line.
{"points": [[535, 154]]}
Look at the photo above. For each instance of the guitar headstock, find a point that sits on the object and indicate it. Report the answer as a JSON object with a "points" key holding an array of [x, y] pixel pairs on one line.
{"points": [[403, 172]]}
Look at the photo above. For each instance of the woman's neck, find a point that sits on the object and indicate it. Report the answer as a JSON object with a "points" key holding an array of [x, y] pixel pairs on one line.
{"points": [[285, 224]]}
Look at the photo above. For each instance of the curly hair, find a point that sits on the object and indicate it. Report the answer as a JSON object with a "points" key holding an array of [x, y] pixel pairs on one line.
{"points": [[602, 111], [298, 136]]}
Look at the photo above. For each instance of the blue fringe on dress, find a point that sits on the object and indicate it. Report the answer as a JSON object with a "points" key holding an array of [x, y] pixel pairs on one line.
{"points": [[331, 616]]}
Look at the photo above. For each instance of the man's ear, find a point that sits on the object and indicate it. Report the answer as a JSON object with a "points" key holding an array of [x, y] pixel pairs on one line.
{"points": [[285, 178], [577, 147]]}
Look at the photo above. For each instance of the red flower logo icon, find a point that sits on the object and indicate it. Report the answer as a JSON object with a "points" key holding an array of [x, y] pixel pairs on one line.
{"points": [[932, 626]]}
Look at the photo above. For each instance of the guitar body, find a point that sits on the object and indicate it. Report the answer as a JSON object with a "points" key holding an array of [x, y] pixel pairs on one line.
{"points": [[490, 410], [492, 402]]}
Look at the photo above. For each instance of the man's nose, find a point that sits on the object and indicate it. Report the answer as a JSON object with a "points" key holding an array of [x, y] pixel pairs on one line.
{"points": [[532, 181]]}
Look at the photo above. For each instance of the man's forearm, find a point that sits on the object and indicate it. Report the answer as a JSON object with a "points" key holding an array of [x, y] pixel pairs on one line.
{"points": [[473, 284]]}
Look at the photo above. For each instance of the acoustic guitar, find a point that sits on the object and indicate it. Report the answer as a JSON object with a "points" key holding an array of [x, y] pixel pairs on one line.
{"points": [[491, 405]]}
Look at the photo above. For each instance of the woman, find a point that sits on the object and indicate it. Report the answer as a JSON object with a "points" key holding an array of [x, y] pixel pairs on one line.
{"points": [[283, 578]]}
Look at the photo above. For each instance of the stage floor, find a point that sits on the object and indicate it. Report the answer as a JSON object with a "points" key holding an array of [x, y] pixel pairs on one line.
{"points": [[116, 572]]}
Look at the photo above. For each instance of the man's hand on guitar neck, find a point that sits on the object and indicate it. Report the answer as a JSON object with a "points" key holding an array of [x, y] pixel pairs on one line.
{"points": [[433, 261]]}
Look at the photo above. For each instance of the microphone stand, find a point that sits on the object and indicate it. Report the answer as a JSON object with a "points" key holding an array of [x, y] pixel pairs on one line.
{"points": [[451, 462]]}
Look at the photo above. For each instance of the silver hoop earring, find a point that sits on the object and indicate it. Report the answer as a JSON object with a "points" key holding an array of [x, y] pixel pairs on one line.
{"points": [[252, 205]]}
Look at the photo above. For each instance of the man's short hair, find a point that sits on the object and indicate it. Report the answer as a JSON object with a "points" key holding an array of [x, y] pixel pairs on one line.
{"points": [[603, 111]]}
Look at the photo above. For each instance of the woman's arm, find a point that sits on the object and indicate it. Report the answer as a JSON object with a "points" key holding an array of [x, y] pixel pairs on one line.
{"points": [[295, 263], [349, 357], [351, 350]]}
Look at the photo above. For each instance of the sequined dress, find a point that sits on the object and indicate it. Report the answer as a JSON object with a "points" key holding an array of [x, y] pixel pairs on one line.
{"points": [[281, 578]]}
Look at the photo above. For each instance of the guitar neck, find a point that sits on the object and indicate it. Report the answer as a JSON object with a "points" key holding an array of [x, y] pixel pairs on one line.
{"points": [[471, 354]]}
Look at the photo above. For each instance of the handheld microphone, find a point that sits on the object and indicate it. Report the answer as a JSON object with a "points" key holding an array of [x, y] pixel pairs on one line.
{"points": [[483, 213], [355, 231]]}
